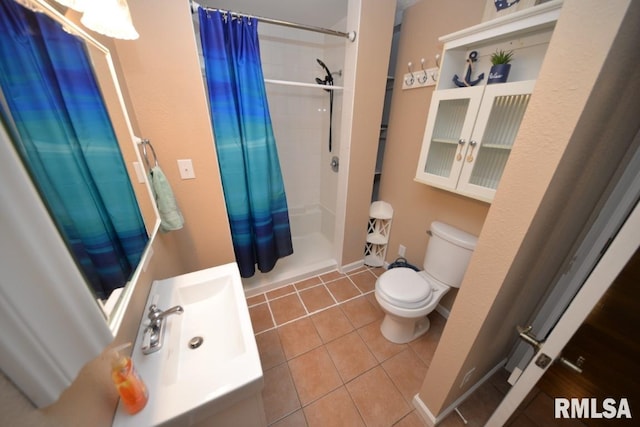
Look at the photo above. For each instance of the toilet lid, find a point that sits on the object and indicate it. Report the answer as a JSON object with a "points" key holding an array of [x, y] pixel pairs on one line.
{"points": [[404, 287]]}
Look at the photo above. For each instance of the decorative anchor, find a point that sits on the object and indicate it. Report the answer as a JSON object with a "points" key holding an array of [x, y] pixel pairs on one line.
{"points": [[473, 57]]}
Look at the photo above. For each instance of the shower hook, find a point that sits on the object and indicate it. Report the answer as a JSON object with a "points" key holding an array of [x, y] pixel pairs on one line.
{"points": [[423, 79], [409, 81], [435, 74]]}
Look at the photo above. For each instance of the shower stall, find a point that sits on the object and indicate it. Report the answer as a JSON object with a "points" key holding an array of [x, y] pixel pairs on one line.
{"points": [[300, 117], [303, 79]]}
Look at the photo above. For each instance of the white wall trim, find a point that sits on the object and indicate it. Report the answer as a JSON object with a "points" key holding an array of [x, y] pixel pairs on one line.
{"points": [[432, 420], [443, 311], [350, 267], [423, 411]]}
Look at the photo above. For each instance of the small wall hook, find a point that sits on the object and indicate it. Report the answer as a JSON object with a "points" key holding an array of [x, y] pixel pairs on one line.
{"points": [[438, 60], [423, 79], [410, 81]]}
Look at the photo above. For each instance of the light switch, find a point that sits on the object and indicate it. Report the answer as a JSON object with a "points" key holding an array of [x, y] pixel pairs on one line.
{"points": [[186, 169]]}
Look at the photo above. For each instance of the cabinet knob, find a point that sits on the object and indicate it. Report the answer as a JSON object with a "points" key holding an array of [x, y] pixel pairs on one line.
{"points": [[472, 144], [461, 143]]}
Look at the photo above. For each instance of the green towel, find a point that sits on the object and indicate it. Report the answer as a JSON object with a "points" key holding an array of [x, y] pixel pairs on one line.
{"points": [[170, 215]]}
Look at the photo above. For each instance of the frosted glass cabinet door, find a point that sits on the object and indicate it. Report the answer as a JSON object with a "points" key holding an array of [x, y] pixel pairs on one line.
{"points": [[449, 125], [499, 117]]}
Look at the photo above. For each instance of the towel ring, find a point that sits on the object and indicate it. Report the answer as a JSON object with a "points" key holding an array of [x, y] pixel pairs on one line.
{"points": [[144, 143]]}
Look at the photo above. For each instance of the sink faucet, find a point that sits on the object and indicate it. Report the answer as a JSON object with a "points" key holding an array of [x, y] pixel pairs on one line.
{"points": [[152, 337]]}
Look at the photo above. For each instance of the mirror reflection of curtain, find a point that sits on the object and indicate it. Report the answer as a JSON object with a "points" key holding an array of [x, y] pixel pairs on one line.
{"points": [[63, 132], [245, 144]]}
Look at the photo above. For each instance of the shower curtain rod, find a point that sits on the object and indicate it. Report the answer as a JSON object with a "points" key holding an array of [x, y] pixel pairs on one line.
{"points": [[302, 84], [351, 35]]}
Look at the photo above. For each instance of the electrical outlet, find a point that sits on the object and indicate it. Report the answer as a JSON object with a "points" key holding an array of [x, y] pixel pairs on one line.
{"points": [[402, 250]]}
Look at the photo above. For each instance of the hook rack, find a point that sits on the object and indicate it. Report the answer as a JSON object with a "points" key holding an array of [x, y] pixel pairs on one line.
{"points": [[409, 80], [423, 79], [428, 76]]}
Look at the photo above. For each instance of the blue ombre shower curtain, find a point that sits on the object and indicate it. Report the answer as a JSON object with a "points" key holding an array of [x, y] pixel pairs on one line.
{"points": [[61, 129], [247, 154]]}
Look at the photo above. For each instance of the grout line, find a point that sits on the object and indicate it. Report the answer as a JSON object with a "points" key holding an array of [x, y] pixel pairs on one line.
{"points": [[297, 292], [331, 294], [306, 310], [273, 319]]}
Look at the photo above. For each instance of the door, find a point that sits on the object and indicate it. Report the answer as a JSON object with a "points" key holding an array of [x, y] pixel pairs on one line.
{"points": [[499, 117], [607, 346], [452, 115], [605, 359]]}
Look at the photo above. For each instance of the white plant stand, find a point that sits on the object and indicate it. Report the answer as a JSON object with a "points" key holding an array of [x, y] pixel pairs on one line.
{"points": [[378, 229]]}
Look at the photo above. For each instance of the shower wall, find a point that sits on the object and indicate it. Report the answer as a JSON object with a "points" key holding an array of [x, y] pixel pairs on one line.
{"points": [[300, 118]]}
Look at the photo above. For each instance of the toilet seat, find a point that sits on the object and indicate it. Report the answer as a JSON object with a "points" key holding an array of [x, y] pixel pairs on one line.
{"points": [[404, 288]]}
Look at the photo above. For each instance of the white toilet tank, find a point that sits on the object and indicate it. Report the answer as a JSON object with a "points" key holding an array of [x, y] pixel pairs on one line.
{"points": [[448, 253]]}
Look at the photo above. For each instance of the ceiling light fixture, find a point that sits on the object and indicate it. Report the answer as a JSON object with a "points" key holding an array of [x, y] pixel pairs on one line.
{"points": [[77, 5], [108, 17]]}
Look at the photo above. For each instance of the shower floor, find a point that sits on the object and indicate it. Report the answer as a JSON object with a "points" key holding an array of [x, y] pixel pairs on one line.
{"points": [[312, 255]]}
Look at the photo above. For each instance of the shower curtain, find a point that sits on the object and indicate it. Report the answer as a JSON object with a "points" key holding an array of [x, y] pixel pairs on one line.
{"points": [[53, 107], [247, 155]]}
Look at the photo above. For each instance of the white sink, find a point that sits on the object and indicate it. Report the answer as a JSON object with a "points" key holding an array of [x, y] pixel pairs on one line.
{"points": [[188, 385]]}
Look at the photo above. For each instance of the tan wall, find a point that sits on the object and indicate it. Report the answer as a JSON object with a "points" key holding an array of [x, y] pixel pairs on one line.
{"points": [[572, 139], [417, 205], [162, 74], [162, 84], [372, 58]]}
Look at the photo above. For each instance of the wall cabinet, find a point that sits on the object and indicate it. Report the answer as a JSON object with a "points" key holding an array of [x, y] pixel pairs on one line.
{"points": [[470, 131], [469, 135]]}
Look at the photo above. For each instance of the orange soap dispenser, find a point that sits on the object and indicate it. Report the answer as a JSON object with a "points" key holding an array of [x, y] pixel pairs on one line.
{"points": [[131, 388]]}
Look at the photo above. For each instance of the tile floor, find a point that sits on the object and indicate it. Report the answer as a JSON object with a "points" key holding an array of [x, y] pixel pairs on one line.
{"points": [[326, 363]]}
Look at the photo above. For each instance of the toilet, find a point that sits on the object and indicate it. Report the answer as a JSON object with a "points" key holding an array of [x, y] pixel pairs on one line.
{"points": [[407, 296]]}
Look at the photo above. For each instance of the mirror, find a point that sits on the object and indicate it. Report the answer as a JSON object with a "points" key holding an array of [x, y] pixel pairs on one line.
{"points": [[104, 71]]}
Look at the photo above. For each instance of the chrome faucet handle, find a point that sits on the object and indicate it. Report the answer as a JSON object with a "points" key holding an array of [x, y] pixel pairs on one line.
{"points": [[153, 333], [156, 315]]}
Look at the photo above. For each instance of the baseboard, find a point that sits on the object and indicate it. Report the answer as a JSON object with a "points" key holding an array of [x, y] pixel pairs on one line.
{"points": [[431, 420], [424, 412], [350, 267], [443, 311]]}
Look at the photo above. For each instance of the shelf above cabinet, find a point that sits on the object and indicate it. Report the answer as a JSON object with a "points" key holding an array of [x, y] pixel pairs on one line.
{"points": [[541, 16], [527, 33]]}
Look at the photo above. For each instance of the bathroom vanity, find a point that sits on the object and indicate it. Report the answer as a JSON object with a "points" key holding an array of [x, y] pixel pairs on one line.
{"points": [[207, 369]]}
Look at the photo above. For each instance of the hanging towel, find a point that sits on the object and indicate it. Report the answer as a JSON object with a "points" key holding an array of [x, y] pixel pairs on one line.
{"points": [[170, 215]]}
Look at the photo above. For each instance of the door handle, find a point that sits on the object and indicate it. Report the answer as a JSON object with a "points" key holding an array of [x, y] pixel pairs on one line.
{"points": [[543, 360], [575, 367], [526, 336]]}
